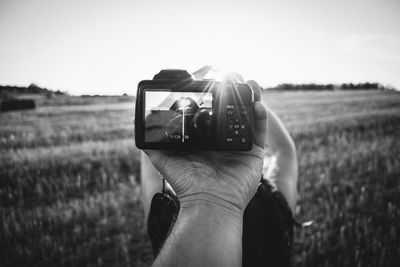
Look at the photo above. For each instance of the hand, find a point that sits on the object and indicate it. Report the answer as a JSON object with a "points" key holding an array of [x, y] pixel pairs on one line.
{"points": [[227, 180]]}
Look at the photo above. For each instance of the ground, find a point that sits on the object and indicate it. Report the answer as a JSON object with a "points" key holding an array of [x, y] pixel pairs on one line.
{"points": [[69, 184]]}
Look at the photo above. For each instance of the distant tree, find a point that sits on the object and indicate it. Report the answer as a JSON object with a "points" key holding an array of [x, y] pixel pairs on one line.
{"points": [[58, 92], [33, 88], [330, 86]]}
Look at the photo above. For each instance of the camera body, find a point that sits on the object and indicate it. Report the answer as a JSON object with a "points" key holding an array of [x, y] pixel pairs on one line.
{"points": [[175, 112]]}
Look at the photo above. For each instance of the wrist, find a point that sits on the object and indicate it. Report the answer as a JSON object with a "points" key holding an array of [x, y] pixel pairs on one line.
{"points": [[211, 209], [204, 234], [210, 203]]}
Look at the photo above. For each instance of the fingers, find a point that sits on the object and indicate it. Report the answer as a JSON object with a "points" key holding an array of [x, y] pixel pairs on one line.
{"points": [[260, 124], [202, 72], [256, 88], [260, 116]]}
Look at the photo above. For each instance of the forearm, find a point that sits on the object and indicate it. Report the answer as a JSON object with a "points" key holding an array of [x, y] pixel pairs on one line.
{"points": [[204, 235], [279, 139], [286, 177], [283, 148]]}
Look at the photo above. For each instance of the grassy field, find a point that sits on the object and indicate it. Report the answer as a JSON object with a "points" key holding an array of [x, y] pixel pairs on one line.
{"points": [[69, 193]]}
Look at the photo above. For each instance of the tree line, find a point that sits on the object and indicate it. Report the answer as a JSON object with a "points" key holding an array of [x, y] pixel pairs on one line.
{"points": [[31, 89], [35, 89], [328, 87]]}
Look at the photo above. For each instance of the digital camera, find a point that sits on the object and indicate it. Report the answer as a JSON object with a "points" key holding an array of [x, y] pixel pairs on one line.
{"points": [[176, 112]]}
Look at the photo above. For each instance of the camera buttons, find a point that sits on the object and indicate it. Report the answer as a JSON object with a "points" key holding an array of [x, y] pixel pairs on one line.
{"points": [[229, 110], [243, 127], [244, 113], [229, 140], [243, 140]]}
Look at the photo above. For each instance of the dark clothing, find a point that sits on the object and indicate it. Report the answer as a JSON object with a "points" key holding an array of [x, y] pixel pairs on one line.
{"points": [[267, 226]]}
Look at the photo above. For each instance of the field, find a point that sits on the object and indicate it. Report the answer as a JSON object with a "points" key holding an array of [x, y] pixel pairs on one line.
{"points": [[69, 181]]}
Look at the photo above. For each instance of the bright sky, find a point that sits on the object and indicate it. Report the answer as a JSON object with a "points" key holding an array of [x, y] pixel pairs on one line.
{"points": [[107, 47]]}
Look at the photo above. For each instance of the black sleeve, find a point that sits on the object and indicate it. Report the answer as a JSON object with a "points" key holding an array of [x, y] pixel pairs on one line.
{"points": [[267, 228]]}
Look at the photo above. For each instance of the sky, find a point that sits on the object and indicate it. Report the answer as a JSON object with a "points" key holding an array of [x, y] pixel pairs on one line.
{"points": [[107, 47]]}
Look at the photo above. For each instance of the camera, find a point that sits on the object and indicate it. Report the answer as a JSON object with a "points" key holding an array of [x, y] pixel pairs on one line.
{"points": [[176, 112]]}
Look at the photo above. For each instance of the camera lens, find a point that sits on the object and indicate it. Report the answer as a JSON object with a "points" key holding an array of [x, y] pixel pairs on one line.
{"points": [[184, 105]]}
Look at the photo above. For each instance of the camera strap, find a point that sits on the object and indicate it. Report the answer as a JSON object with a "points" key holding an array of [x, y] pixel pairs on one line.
{"points": [[164, 210], [163, 185]]}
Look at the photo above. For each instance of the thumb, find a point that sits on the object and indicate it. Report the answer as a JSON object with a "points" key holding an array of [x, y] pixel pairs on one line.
{"points": [[260, 124]]}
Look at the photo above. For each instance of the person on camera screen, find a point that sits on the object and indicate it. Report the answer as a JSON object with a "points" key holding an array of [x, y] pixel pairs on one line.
{"points": [[185, 118]]}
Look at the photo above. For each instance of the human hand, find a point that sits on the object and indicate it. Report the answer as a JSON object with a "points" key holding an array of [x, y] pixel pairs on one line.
{"points": [[227, 180]]}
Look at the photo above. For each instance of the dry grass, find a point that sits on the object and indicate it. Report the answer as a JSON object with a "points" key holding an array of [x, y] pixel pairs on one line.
{"points": [[69, 182]]}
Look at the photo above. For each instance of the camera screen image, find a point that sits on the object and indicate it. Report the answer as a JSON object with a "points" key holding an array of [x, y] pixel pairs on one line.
{"points": [[178, 117]]}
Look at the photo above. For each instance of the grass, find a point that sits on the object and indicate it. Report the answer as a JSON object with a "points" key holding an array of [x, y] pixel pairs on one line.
{"points": [[69, 174]]}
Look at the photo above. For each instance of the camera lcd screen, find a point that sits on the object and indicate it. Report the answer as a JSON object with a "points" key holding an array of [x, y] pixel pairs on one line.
{"points": [[177, 117]]}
